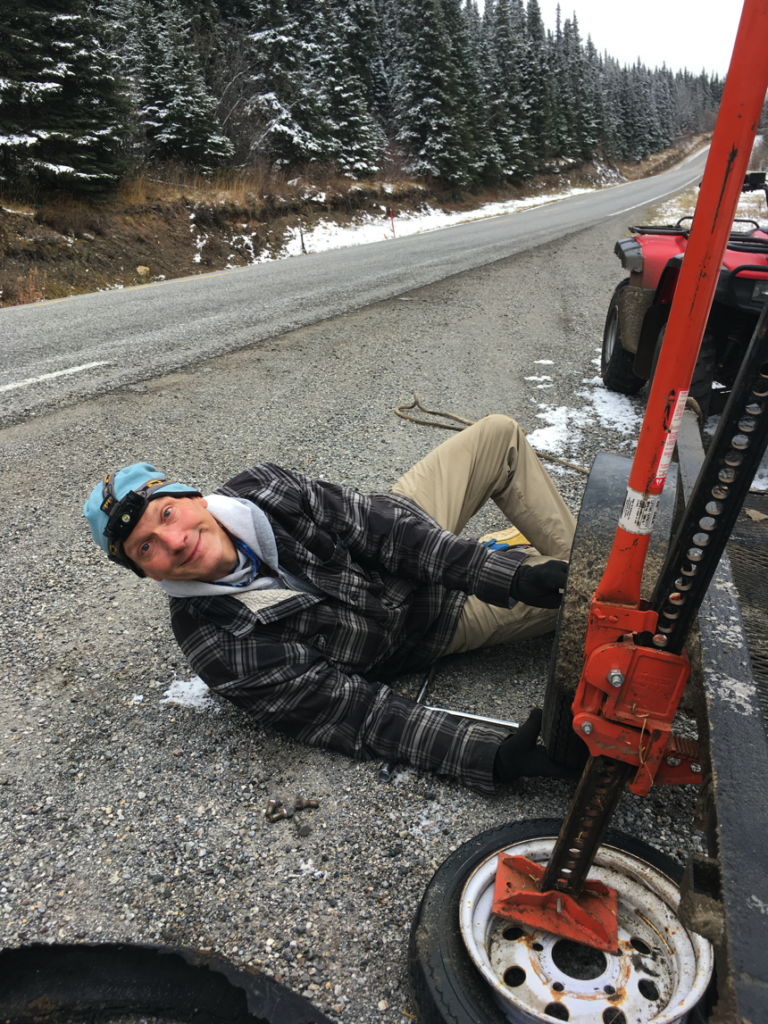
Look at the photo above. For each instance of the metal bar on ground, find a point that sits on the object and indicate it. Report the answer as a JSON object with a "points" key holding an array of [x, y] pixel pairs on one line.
{"points": [[476, 718]]}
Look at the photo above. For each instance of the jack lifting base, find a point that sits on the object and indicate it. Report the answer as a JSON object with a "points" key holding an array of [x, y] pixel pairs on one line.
{"points": [[592, 919]]}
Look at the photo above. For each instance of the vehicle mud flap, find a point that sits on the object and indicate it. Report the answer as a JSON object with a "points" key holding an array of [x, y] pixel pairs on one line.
{"points": [[67, 983], [595, 529]]}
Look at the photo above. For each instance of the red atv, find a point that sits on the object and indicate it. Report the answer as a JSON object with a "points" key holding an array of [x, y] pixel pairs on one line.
{"points": [[637, 315]]}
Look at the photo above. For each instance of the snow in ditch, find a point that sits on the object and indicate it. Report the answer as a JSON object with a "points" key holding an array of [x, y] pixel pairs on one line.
{"points": [[327, 234], [563, 427]]}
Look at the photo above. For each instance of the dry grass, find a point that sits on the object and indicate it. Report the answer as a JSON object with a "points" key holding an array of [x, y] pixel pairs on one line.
{"points": [[71, 217], [752, 206], [254, 188]]}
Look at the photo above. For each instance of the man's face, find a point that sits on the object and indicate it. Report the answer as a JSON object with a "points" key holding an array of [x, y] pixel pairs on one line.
{"points": [[178, 539]]}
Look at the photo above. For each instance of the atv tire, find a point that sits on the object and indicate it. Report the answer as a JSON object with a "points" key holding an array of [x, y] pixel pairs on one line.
{"points": [[616, 364]]}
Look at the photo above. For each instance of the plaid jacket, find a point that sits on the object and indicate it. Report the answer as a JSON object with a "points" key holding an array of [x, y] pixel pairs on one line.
{"points": [[393, 585]]}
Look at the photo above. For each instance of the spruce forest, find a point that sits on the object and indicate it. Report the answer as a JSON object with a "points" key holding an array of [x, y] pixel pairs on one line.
{"points": [[436, 88]]}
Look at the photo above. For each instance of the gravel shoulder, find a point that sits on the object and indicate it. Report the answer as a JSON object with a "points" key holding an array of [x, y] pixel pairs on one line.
{"points": [[127, 818]]}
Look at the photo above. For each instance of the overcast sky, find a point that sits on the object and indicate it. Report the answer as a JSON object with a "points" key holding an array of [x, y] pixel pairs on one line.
{"points": [[691, 34]]}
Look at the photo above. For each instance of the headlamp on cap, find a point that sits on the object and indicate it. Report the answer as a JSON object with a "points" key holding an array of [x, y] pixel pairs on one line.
{"points": [[124, 514]]}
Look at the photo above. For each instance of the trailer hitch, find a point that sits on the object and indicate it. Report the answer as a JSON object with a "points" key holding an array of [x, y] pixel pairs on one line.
{"points": [[635, 666]]}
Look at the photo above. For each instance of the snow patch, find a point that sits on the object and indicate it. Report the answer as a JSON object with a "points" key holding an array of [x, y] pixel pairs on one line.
{"points": [[190, 693], [563, 428], [615, 411]]}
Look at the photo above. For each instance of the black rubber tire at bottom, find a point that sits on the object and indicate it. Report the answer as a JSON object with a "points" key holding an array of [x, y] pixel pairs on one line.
{"points": [[447, 986]]}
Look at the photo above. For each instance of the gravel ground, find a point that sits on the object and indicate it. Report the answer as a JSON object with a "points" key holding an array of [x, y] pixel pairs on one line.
{"points": [[127, 818]]}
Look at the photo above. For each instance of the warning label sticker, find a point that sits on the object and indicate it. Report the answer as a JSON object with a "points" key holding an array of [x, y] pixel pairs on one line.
{"points": [[669, 444], [639, 512]]}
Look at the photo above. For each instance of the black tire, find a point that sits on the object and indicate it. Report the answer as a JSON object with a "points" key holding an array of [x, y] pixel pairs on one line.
{"points": [[703, 372], [447, 986], [616, 364], [91, 982]]}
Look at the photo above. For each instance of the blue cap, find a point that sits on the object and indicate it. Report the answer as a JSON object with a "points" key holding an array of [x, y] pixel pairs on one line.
{"points": [[143, 479]]}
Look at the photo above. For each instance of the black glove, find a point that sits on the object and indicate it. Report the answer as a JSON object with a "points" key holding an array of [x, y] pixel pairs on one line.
{"points": [[519, 756], [539, 585]]}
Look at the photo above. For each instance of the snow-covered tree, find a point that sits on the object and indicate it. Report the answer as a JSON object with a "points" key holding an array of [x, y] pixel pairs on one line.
{"points": [[429, 107], [176, 112], [63, 118], [289, 124], [346, 44]]}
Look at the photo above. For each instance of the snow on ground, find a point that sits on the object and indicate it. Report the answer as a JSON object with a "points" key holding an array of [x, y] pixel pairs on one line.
{"points": [[327, 234], [565, 426], [190, 693]]}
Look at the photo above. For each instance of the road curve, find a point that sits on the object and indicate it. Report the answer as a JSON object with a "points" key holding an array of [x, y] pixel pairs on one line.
{"points": [[53, 353]]}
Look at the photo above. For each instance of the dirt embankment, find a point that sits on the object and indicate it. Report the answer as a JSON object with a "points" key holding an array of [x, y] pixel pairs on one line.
{"points": [[157, 229]]}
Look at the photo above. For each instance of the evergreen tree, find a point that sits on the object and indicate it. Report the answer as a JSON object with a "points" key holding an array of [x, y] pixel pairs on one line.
{"points": [[289, 124], [487, 163], [176, 111], [562, 122], [63, 118], [428, 106], [346, 41], [537, 86], [506, 101]]}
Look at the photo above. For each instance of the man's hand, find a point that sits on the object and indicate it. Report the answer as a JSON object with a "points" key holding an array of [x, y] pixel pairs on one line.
{"points": [[540, 586]]}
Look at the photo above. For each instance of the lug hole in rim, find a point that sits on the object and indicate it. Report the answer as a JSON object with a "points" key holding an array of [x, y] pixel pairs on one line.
{"points": [[648, 990], [613, 1016], [558, 986], [537, 946], [558, 1011], [512, 934], [639, 945], [514, 977]]}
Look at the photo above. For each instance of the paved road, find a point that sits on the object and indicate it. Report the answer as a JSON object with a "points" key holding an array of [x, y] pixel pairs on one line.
{"points": [[105, 340]]}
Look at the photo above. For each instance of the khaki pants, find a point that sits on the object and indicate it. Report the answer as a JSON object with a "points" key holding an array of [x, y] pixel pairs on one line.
{"points": [[492, 459]]}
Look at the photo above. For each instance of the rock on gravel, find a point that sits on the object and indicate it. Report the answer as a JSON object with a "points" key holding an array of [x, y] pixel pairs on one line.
{"points": [[124, 817]]}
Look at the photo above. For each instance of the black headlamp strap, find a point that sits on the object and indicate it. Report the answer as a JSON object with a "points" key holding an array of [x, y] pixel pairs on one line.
{"points": [[123, 515]]}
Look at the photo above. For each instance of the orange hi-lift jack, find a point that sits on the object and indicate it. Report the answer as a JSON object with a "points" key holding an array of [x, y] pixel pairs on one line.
{"points": [[635, 665]]}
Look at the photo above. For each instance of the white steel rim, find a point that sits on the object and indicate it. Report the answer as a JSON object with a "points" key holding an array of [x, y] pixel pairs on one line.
{"points": [[659, 974]]}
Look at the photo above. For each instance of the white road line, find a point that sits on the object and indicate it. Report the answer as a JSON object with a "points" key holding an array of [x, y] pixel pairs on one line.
{"points": [[655, 199], [50, 376]]}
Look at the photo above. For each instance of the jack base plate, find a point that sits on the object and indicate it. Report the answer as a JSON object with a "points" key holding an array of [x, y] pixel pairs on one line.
{"points": [[591, 920]]}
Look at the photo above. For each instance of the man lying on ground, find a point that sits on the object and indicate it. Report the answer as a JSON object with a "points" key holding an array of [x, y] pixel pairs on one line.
{"points": [[299, 600]]}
